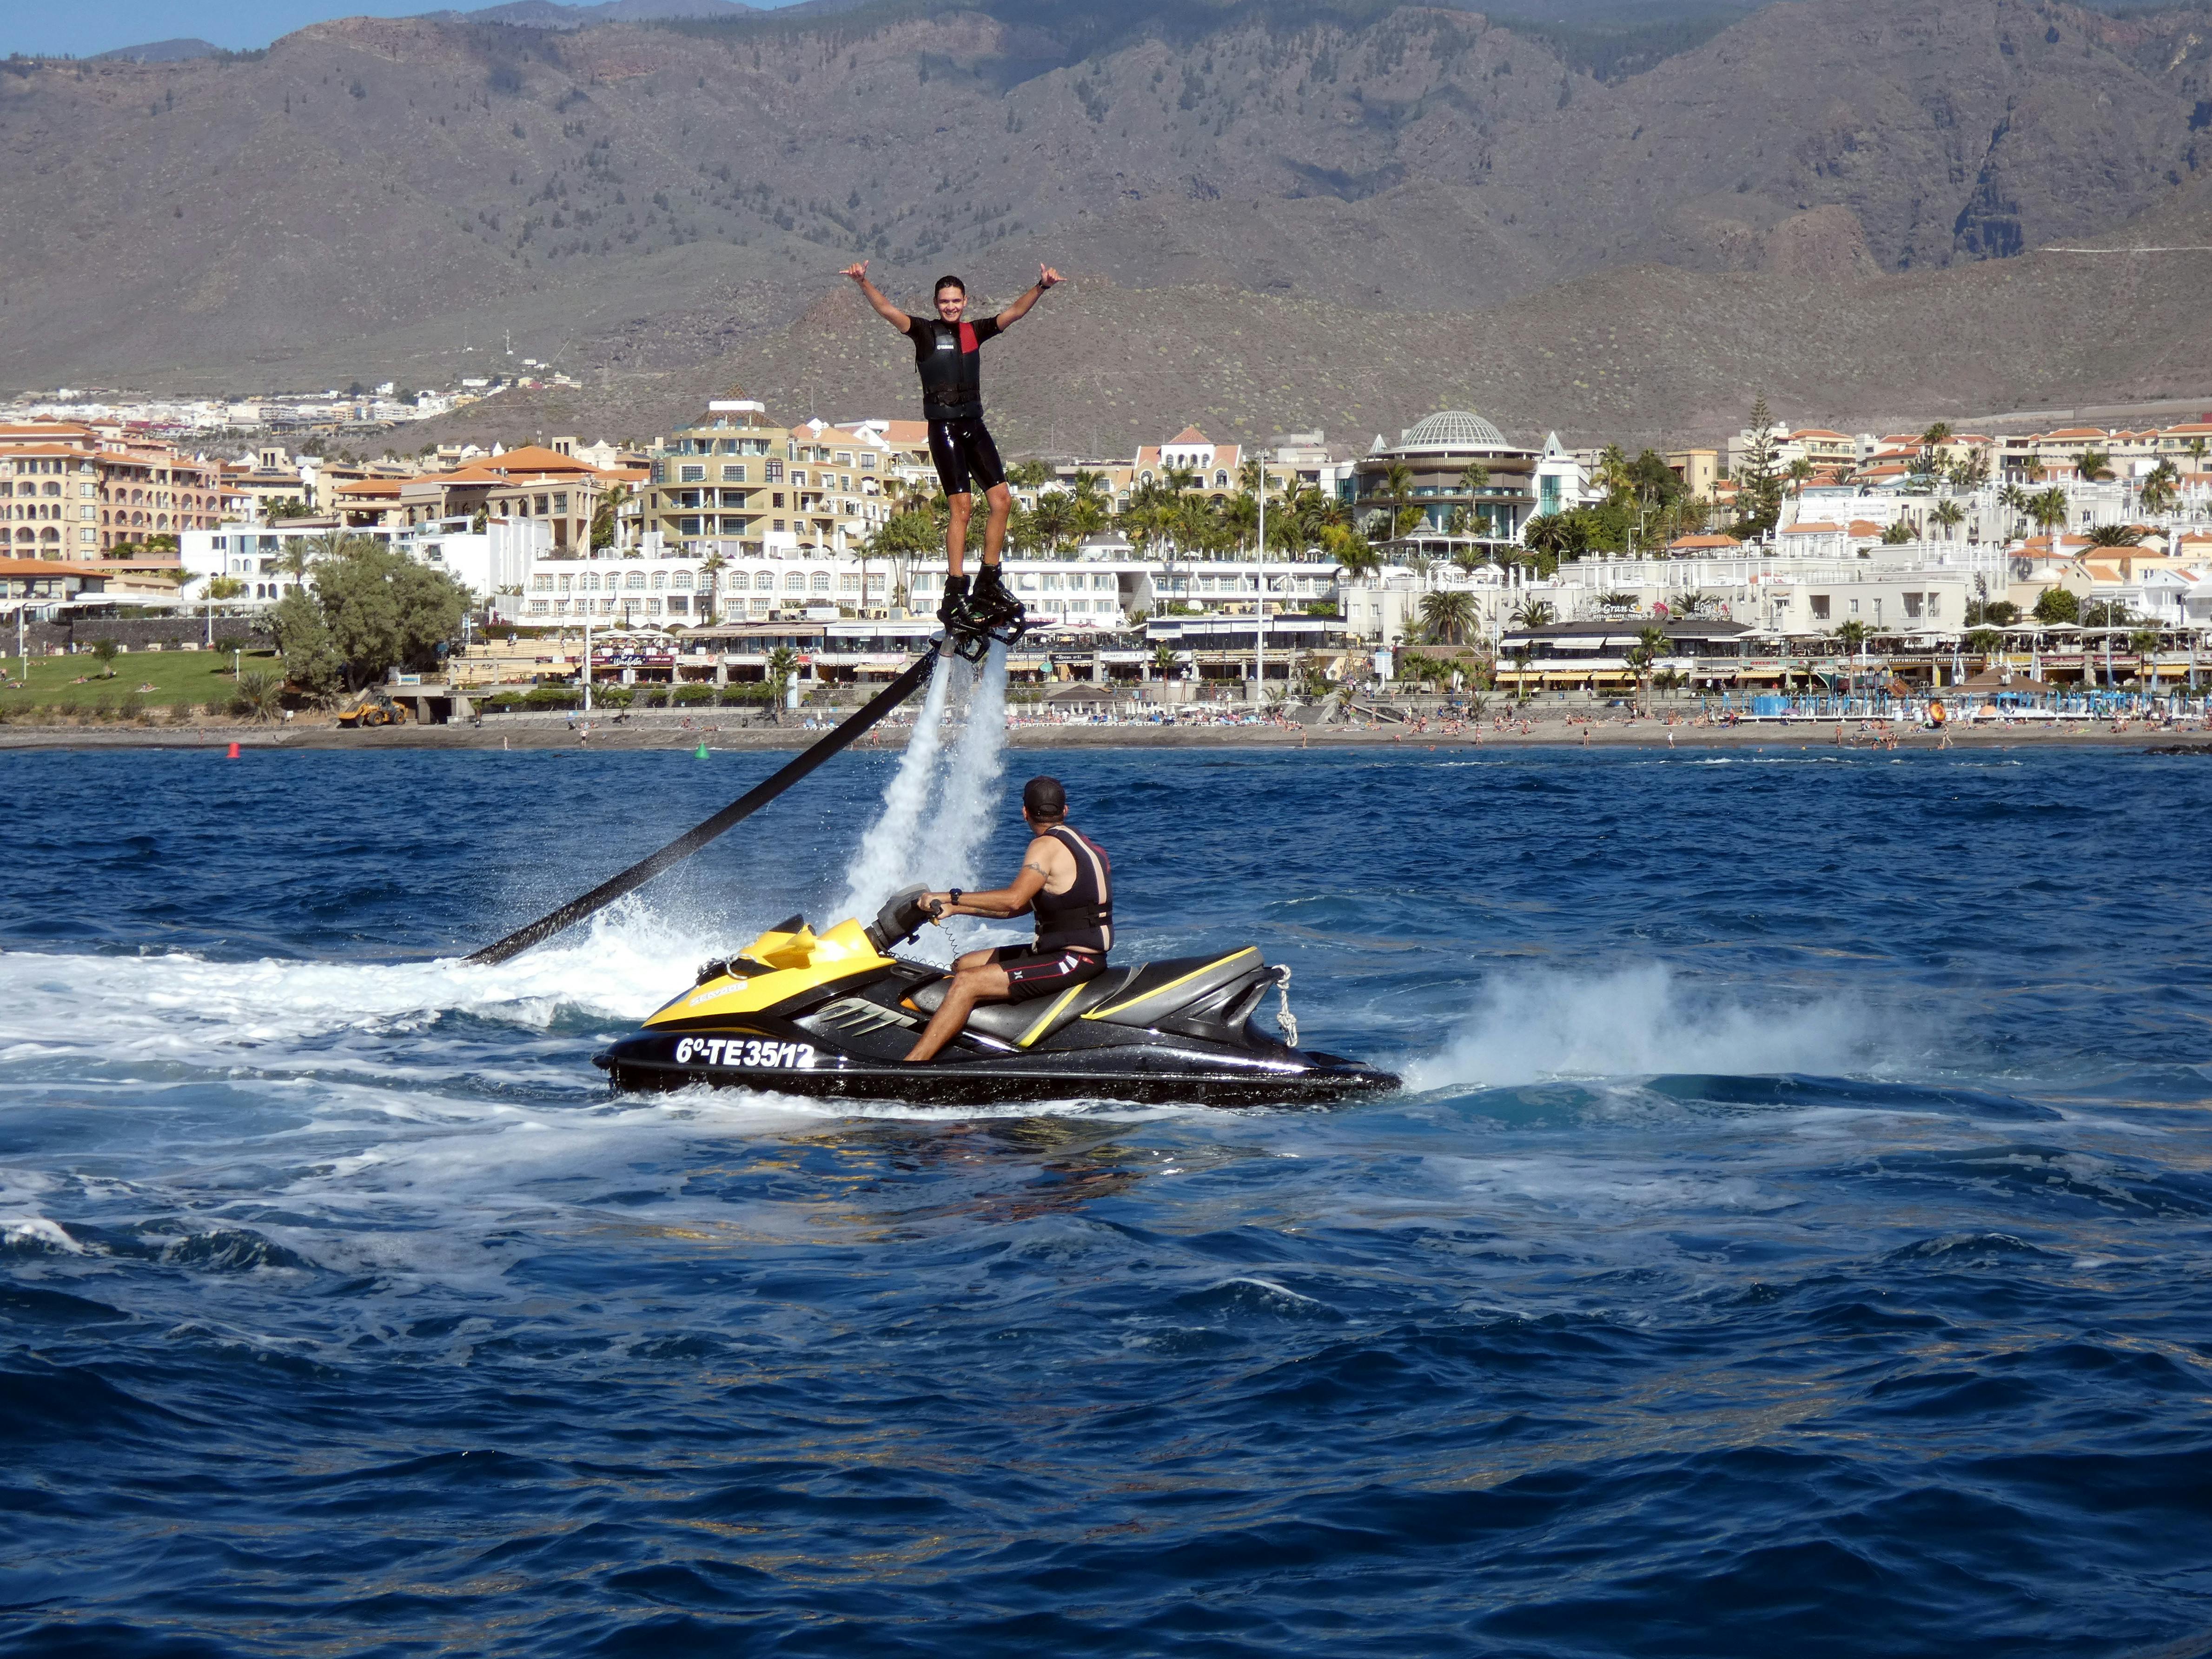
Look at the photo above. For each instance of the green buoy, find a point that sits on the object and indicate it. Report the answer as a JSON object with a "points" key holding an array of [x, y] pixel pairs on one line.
{"points": [[701, 753]]}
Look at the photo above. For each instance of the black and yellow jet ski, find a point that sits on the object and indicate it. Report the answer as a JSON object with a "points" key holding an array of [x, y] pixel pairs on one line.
{"points": [[832, 1014]]}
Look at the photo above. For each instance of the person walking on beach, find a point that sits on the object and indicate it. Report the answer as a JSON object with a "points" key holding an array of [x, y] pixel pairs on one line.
{"points": [[947, 353]]}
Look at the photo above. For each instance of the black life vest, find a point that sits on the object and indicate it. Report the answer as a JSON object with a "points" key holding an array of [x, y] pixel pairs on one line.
{"points": [[1082, 918], [949, 357]]}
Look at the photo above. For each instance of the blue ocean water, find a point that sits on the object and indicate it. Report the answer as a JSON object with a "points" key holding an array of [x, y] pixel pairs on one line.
{"points": [[1794, 1237]]}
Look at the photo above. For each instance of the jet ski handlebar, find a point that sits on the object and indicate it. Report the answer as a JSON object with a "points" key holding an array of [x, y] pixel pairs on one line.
{"points": [[903, 915]]}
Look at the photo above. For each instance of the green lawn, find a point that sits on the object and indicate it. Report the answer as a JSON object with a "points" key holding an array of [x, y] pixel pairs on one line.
{"points": [[176, 677]]}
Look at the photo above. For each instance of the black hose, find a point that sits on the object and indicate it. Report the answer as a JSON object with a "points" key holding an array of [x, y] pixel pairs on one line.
{"points": [[692, 839]]}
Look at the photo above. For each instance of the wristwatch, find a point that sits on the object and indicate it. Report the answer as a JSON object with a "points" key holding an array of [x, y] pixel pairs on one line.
{"points": [[954, 895]]}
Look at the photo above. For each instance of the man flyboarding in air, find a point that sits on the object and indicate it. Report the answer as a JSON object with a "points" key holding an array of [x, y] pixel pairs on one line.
{"points": [[947, 351]]}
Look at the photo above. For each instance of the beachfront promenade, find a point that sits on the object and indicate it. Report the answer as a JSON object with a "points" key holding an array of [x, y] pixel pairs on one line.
{"points": [[1540, 726]]}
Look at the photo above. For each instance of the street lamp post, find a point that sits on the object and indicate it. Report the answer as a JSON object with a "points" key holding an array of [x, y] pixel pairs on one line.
{"points": [[1259, 608]]}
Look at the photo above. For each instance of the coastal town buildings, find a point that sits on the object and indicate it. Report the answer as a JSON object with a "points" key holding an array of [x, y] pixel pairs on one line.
{"points": [[73, 491], [739, 522]]}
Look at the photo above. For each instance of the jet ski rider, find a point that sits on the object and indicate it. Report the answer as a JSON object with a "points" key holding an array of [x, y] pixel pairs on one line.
{"points": [[948, 353], [1066, 881]]}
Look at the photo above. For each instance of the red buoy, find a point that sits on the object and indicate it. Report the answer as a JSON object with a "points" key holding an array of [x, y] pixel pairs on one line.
{"points": [[233, 755]]}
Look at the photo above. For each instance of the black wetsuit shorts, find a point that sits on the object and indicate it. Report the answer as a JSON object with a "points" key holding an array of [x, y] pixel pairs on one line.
{"points": [[1032, 974], [967, 460]]}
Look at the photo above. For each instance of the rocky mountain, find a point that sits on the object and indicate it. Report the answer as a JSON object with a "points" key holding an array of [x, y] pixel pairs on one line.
{"points": [[1333, 214], [160, 52]]}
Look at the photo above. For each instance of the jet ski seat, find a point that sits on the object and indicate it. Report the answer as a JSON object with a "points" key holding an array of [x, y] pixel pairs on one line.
{"points": [[1025, 1024], [1143, 996]]}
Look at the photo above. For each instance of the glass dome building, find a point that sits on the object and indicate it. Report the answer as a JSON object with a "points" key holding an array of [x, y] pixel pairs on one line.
{"points": [[1464, 477]]}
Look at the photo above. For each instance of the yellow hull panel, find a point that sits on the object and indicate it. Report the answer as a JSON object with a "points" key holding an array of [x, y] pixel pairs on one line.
{"points": [[797, 961]]}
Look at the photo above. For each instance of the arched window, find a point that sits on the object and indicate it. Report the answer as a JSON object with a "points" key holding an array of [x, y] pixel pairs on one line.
{"points": [[659, 581], [683, 579], [821, 581], [589, 581], [1221, 481], [637, 578], [794, 581]]}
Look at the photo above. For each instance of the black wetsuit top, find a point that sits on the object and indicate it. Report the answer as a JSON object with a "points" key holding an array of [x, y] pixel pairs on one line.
{"points": [[949, 357], [1082, 918]]}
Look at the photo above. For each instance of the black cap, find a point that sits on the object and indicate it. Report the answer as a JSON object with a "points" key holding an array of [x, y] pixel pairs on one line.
{"points": [[1043, 798]]}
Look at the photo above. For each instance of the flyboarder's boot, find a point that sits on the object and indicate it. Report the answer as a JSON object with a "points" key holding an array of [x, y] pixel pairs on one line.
{"points": [[966, 629], [1000, 610]]}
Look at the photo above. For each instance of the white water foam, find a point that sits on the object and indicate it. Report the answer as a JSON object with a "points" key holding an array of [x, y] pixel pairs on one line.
{"points": [[886, 857], [939, 807], [626, 963], [1639, 1022], [965, 809]]}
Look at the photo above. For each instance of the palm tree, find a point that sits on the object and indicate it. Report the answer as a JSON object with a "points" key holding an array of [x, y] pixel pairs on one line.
{"points": [[1447, 617], [1950, 515], [1931, 446], [1520, 655], [2145, 643], [2115, 535], [1692, 602], [603, 516], [1473, 479], [1611, 472], [1800, 474], [1853, 635], [1555, 533], [1052, 519], [1354, 554], [1970, 473], [1651, 644], [1534, 613], [782, 666], [710, 572], [2160, 487], [1397, 485], [2048, 508], [1165, 660], [2093, 464]]}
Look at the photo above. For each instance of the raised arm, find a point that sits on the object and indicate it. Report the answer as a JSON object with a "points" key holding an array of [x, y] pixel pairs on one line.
{"points": [[884, 309], [1047, 277]]}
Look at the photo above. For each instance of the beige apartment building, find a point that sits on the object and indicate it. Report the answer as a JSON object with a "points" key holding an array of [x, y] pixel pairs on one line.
{"points": [[734, 476], [71, 491], [530, 483]]}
